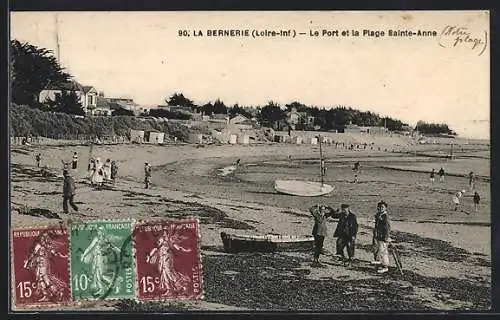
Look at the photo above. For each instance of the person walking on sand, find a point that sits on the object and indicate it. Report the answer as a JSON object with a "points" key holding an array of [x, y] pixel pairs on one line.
{"points": [[355, 170], [476, 200], [74, 163], [381, 233], [346, 231], [147, 175], [38, 158], [456, 199], [320, 214], [106, 170], [441, 175], [472, 181], [114, 172], [433, 175], [69, 191]]}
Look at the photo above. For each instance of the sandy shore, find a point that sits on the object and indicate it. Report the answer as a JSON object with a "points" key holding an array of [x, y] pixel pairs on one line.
{"points": [[446, 254]]}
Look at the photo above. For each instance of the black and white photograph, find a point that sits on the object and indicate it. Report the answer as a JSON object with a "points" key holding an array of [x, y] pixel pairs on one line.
{"points": [[335, 161]]}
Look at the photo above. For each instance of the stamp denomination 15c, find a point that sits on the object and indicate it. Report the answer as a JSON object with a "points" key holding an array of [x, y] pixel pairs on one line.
{"points": [[102, 264], [168, 261], [40, 267]]}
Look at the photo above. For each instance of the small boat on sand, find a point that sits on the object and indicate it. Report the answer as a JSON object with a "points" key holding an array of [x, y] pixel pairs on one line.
{"points": [[306, 188], [302, 188], [234, 243]]}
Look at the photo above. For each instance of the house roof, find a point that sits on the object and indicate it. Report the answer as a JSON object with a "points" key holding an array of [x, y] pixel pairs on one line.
{"points": [[71, 85], [86, 89], [101, 102]]}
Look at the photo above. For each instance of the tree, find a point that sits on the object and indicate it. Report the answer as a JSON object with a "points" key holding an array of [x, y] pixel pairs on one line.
{"points": [[178, 99], [207, 109], [236, 109], [32, 70], [67, 102], [219, 107], [271, 113]]}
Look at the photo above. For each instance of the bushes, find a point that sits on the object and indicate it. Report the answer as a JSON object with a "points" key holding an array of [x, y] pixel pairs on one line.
{"points": [[25, 120]]}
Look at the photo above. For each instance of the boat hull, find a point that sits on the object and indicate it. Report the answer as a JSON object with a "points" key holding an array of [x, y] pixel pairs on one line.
{"points": [[302, 188], [237, 243]]}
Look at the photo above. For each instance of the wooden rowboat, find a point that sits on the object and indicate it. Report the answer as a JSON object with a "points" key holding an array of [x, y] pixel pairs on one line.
{"points": [[266, 243], [302, 188]]}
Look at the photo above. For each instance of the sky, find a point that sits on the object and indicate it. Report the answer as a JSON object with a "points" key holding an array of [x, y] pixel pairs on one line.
{"points": [[141, 55]]}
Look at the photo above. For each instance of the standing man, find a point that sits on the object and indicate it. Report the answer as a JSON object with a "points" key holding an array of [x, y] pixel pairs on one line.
{"points": [[114, 171], [38, 158], [68, 192], [346, 232], [355, 169], [320, 214], [147, 175], [75, 161], [433, 175], [476, 200], [472, 181], [381, 238], [441, 175]]}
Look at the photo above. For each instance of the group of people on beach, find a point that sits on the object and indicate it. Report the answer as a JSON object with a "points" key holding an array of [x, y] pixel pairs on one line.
{"points": [[101, 173], [346, 232]]}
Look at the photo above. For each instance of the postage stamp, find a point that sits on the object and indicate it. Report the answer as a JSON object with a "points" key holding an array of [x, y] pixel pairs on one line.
{"points": [[40, 267], [168, 260], [102, 263]]}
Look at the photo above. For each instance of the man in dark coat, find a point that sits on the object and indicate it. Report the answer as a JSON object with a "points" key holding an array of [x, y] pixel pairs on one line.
{"points": [[346, 231], [68, 192], [320, 214]]}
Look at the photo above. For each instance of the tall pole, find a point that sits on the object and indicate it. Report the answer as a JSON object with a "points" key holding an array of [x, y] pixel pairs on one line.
{"points": [[320, 160], [57, 40]]}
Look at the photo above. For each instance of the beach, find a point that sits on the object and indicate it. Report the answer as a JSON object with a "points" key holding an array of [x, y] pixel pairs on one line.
{"points": [[446, 254]]}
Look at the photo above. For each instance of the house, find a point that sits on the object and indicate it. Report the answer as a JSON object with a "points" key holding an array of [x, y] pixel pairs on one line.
{"points": [[154, 137], [124, 103], [136, 136], [239, 119], [102, 107], [303, 119], [293, 117], [87, 95]]}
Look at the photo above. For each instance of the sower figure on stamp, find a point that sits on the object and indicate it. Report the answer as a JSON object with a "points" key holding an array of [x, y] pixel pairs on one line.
{"points": [[48, 286], [346, 231], [97, 255], [69, 191], [147, 175], [381, 238], [320, 214], [171, 281]]}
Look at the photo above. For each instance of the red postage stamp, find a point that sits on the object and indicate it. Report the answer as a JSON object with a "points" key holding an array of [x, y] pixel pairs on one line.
{"points": [[40, 267], [168, 260]]}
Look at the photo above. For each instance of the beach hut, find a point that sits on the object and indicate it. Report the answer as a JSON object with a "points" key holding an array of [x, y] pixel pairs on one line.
{"points": [[195, 138], [154, 137], [233, 139], [244, 139], [136, 135], [297, 140], [314, 140]]}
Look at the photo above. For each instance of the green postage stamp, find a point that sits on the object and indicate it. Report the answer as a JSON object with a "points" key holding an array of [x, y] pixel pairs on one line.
{"points": [[102, 260]]}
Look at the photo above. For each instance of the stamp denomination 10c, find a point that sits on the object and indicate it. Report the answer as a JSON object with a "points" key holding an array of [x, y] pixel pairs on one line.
{"points": [[102, 263]]}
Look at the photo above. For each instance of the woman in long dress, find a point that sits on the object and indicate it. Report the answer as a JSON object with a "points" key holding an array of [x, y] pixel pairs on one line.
{"points": [[98, 174], [106, 168], [171, 280]]}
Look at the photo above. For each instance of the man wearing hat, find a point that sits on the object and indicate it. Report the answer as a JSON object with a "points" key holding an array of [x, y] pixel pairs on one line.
{"points": [[68, 192], [147, 175], [381, 238], [320, 214], [346, 231]]}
